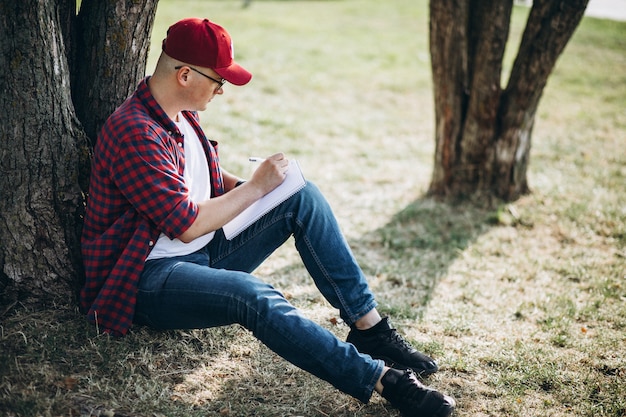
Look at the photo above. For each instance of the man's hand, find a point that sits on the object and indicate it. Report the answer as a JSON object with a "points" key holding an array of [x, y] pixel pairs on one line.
{"points": [[216, 212], [270, 173]]}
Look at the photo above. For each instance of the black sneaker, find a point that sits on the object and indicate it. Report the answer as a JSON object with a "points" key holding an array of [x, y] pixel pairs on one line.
{"points": [[383, 342], [412, 398]]}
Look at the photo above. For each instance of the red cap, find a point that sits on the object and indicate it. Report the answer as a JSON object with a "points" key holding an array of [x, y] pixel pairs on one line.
{"points": [[201, 42]]}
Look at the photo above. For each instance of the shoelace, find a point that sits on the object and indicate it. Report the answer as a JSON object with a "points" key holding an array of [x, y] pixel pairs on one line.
{"points": [[395, 337]]}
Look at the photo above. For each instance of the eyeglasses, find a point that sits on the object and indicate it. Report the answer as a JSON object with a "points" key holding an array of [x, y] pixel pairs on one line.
{"points": [[221, 82]]}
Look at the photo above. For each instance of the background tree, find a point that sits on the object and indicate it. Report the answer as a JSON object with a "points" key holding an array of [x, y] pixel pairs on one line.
{"points": [[62, 74], [483, 132]]}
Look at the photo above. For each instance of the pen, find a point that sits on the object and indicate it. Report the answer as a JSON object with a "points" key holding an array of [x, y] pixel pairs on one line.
{"points": [[255, 159]]}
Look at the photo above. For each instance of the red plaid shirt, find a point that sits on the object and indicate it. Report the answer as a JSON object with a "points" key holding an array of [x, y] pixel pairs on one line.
{"points": [[136, 192]]}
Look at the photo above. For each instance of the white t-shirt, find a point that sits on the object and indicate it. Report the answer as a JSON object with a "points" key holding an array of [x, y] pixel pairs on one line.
{"points": [[197, 178]]}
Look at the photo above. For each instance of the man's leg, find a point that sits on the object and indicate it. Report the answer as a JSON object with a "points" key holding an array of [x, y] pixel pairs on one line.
{"points": [[169, 299], [307, 217], [330, 262], [184, 292]]}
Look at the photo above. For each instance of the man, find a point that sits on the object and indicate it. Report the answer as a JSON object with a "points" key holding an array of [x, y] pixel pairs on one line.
{"points": [[155, 252]]}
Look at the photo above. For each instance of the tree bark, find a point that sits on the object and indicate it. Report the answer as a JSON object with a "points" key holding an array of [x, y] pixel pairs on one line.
{"points": [[549, 28], [112, 44], [44, 150], [41, 143], [483, 134], [448, 44]]}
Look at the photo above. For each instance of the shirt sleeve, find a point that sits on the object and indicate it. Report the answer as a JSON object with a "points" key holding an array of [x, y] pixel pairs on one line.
{"points": [[148, 172]]}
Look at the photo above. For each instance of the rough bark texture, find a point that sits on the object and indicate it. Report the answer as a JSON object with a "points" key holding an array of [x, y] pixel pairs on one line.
{"points": [[483, 133], [550, 26], [41, 202], [44, 151], [110, 56], [448, 43]]}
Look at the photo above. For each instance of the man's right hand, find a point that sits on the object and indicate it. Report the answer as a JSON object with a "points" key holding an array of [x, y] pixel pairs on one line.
{"points": [[270, 173]]}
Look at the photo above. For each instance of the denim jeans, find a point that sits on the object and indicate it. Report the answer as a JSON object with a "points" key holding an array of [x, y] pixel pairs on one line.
{"points": [[214, 287]]}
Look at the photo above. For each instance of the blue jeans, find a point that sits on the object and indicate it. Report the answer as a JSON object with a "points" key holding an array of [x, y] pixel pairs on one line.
{"points": [[214, 287]]}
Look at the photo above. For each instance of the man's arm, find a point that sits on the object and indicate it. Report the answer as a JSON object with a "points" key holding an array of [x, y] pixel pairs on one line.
{"points": [[216, 212]]}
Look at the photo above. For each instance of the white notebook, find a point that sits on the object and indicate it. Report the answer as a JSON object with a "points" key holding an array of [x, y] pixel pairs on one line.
{"points": [[294, 182]]}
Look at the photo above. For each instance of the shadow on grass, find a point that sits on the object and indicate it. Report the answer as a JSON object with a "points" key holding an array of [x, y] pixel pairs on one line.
{"points": [[409, 255]]}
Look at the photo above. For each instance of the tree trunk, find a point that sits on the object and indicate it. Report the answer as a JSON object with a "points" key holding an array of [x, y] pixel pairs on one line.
{"points": [[483, 134], [40, 138], [109, 59], [44, 151]]}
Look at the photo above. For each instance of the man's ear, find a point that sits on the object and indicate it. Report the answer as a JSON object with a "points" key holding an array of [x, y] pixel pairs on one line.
{"points": [[182, 75]]}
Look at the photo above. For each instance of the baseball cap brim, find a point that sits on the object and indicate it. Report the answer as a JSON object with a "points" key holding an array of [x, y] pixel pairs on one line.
{"points": [[234, 74]]}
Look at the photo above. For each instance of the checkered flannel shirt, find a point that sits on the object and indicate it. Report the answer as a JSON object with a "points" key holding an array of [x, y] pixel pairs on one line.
{"points": [[136, 192]]}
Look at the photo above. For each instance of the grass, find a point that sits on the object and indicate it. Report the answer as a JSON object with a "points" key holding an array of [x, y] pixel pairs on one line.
{"points": [[524, 306]]}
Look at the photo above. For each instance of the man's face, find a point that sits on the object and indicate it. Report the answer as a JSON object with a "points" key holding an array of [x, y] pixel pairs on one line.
{"points": [[204, 85]]}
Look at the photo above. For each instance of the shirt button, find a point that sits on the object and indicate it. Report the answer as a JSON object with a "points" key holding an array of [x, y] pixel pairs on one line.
{"points": [[151, 243], [180, 144]]}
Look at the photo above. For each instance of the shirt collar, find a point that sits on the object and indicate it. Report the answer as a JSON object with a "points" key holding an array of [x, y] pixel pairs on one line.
{"points": [[158, 114]]}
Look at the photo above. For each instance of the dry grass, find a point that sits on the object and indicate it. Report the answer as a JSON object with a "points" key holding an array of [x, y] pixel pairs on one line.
{"points": [[523, 306]]}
